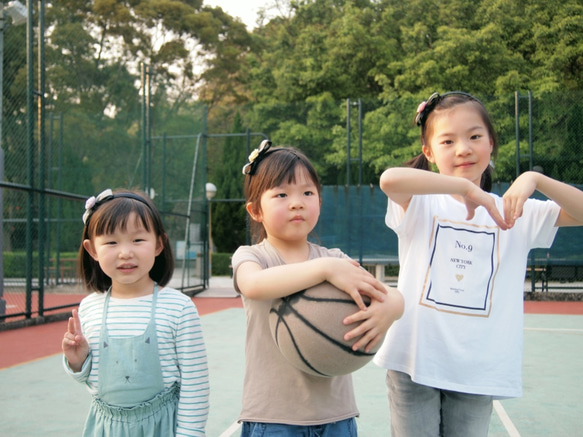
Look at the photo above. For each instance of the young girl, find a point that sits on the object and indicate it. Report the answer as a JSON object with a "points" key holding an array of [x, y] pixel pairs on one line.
{"points": [[283, 200], [463, 254], [135, 343]]}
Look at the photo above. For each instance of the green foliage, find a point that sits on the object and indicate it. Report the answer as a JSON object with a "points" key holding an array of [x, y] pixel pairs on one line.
{"points": [[15, 264], [229, 217], [304, 65], [304, 126], [298, 70], [325, 47], [221, 264], [392, 271], [291, 80]]}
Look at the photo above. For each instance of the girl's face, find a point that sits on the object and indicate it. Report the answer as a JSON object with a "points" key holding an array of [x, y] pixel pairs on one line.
{"points": [[288, 212], [127, 256], [458, 143]]}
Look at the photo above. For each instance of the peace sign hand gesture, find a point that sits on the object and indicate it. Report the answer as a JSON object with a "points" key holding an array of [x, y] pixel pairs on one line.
{"points": [[74, 345]]}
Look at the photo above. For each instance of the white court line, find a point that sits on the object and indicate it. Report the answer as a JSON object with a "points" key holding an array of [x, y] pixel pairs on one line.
{"points": [[554, 329], [504, 418], [512, 431], [230, 430]]}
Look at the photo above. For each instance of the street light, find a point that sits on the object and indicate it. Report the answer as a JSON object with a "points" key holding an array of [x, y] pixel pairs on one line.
{"points": [[17, 12], [211, 191]]}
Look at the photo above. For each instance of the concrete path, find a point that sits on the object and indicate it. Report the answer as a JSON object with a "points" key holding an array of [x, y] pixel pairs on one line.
{"points": [[38, 399]]}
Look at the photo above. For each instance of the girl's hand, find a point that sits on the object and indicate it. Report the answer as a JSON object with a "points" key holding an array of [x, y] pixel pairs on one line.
{"points": [[75, 346], [517, 194], [376, 320], [476, 197], [258, 283], [350, 277]]}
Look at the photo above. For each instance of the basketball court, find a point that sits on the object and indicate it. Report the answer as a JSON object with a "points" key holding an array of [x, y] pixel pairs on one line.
{"points": [[39, 399]]}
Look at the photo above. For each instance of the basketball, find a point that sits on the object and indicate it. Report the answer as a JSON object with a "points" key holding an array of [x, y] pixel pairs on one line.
{"points": [[308, 330]]}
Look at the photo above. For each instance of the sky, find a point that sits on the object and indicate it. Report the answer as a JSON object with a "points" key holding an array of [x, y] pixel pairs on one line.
{"points": [[246, 10]]}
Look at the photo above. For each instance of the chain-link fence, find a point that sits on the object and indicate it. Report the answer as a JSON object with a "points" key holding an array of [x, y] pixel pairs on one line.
{"points": [[42, 226], [120, 128], [85, 153], [57, 149]]}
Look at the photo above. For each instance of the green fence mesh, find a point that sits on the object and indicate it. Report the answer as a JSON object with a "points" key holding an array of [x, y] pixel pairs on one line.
{"points": [[119, 127]]}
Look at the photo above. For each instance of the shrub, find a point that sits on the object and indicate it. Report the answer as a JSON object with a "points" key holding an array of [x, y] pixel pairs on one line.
{"points": [[221, 264]]}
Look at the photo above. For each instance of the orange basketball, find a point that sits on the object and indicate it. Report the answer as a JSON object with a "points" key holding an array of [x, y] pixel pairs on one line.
{"points": [[308, 330]]}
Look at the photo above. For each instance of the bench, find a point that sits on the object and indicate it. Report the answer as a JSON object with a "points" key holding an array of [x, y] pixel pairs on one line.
{"points": [[559, 271], [550, 273], [65, 272], [376, 265]]}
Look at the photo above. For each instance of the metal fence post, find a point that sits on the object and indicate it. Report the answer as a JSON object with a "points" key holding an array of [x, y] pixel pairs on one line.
{"points": [[30, 155], [2, 300]]}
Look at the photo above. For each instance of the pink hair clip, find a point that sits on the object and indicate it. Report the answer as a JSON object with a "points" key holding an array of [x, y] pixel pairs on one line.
{"points": [[92, 201]]}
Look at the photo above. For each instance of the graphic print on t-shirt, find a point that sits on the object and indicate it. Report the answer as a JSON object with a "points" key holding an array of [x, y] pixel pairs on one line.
{"points": [[462, 268]]}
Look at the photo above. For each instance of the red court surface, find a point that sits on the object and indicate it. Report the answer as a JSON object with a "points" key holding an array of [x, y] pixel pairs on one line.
{"points": [[553, 307], [36, 342]]}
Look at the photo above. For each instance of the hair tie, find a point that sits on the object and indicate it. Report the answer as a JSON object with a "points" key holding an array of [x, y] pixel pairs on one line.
{"points": [[425, 108], [256, 156], [93, 201]]}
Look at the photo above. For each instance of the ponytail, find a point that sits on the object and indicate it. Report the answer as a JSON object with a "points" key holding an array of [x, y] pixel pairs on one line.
{"points": [[487, 177], [420, 162]]}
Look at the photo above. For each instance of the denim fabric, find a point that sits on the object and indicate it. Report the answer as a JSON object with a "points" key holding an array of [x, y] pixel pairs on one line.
{"points": [[344, 428], [421, 411]]}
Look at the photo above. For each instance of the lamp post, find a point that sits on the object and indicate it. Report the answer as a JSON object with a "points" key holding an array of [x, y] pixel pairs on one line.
{"points": [[18, 12], [211, 190]]}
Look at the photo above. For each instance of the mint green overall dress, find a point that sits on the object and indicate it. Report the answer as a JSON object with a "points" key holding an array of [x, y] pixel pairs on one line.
{"points": [[131, 398]]}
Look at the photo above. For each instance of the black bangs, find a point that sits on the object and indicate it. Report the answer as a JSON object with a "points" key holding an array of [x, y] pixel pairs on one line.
{"points": [[284, 169], [114, 215], [287, 170]]}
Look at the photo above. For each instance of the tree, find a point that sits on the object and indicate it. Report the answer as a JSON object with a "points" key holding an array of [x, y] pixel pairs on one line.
{"points": [[391, 50], [559, 58], [229, 216]]}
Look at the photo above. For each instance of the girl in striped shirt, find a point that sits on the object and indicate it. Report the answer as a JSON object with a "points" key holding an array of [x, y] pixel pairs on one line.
{"points": [[136, 344]]}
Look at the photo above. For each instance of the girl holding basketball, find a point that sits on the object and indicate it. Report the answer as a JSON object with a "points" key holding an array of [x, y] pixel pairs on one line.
{"points": [[282, 191], [136, 344], [462, 255]]}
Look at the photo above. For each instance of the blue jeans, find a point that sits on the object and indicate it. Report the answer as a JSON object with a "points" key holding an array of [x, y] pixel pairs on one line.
{"points": [[344, 428], [421, 411]]}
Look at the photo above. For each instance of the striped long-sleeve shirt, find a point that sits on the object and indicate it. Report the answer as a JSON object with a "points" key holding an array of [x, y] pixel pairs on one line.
{"points": [[180, 345]]}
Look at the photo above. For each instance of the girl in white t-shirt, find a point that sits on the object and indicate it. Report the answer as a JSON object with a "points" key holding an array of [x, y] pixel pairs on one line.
{"points": [[462, 255], [282, 191]]}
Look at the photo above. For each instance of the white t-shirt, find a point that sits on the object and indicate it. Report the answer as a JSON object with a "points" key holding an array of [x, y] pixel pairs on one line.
{"points": [[463, 283]]}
